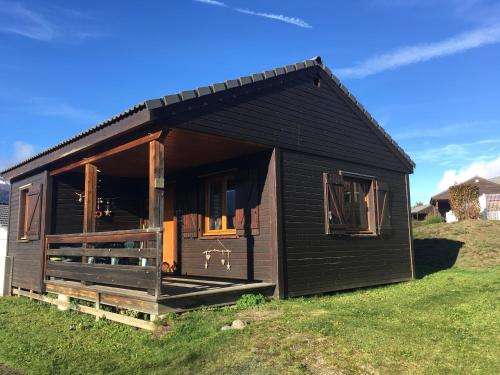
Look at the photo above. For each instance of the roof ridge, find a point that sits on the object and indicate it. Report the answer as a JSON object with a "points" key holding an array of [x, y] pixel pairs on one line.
{"points": [[242, 81]]}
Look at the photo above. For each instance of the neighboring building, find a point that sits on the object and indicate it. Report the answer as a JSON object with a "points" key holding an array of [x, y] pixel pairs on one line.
{"points": [[487, 187], [277, 183], [496, 180], [4, 219], [422, 211]]}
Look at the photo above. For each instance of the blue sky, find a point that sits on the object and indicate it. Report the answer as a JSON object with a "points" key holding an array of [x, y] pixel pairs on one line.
{"points": [[428, 71]]}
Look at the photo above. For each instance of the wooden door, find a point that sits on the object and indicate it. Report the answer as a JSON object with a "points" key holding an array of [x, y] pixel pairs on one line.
{"points": [[169, 231]]}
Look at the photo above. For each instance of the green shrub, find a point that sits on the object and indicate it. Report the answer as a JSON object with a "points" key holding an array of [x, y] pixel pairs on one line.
{"points": [[433, 219], [464, 201], [250, 300]]}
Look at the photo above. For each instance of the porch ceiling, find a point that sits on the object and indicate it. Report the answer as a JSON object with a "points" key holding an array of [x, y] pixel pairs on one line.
{"points": [[183, 149]]}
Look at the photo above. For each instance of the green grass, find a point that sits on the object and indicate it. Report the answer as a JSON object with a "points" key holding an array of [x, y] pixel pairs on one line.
{"points": [[445, 322]]}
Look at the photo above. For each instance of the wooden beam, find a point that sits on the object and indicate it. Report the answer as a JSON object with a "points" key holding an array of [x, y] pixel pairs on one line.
{"points": [[90, 201], [156, 183], [113, 151], [114, 236], [119, 318]]}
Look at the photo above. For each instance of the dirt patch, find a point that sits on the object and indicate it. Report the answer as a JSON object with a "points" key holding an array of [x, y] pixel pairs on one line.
{"points": [[258, 314], [4, 370]]}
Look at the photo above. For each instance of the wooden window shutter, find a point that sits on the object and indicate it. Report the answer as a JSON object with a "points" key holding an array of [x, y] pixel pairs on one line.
{"points": [[34, 212], [247, 203], [384, 226], [189, 209], [335, 221]]}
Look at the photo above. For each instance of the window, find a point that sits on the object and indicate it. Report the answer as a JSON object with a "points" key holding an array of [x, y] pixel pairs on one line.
{"points": [[23, 214], [356, 204], [220, 206]]}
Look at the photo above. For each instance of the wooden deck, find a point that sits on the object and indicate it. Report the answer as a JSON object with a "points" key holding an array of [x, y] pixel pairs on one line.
{"points": [[178, 293]]}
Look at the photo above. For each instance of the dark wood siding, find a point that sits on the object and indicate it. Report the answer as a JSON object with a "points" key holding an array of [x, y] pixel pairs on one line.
{"points": [[129, 202], [67, 212], [251, 256], [316, 262], [291, 112], [27, 255]]}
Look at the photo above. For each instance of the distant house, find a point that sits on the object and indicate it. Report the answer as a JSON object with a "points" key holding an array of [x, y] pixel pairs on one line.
{"points": [[496, 180], [422, 211], [488, 189]]}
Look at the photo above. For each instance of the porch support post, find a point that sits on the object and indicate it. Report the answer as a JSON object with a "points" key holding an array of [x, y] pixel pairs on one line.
{"points": [[90, 203], [156, 182], [90, 200], [156, 201]]}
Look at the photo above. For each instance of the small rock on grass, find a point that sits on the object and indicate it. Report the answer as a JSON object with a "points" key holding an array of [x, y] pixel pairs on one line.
{"points": [[238, 324], [225, 328]]}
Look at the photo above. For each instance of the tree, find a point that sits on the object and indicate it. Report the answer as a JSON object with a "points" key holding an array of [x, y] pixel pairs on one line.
{"points": [[464, 201], [419, 203]]}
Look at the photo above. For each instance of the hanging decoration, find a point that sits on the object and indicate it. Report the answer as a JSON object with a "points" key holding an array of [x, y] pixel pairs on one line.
{"points": [[224, 252]]}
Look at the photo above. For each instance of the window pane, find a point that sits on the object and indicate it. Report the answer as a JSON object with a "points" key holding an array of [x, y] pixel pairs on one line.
{"points": [[360, 207], [215, 206], [230, 203], [357, 205]]}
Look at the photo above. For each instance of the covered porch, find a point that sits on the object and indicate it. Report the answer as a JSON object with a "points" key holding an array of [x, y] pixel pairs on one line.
{"points": [[149, 238]]}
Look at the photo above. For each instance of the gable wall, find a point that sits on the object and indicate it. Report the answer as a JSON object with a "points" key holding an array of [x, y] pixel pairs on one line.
{"points": [[290, 112]]}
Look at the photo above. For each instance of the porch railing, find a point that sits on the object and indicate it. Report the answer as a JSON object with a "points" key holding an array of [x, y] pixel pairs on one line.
{"points": [[127, 259]]}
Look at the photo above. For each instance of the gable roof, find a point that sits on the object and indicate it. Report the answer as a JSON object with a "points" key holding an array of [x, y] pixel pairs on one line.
{"points": [[421, 208], [496, 180], [182, 96], [485, 187], [4, 215]]}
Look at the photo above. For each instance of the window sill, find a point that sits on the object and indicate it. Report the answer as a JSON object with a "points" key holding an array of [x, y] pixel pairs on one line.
{"points": [[218, 236], [22, 240]]}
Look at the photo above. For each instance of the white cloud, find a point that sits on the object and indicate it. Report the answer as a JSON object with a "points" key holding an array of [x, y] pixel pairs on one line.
{"points": [[17, 19], [457, 153], [278, 17], [485, 169], [22, 151], [19, 151], [446, 130], [55, 108], [423, 52], [22, 21], [212, 2]]}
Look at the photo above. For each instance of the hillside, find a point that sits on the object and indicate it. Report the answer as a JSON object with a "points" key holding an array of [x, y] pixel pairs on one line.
{"points": [[444, 322], [473, 243]]}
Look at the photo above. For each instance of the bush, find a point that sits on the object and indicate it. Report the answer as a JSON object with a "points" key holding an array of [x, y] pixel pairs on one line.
{"points": [[250, 300], [433, 219], [464, 201]]}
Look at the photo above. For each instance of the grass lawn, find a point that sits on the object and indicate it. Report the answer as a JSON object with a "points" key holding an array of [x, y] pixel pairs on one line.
{"points": [[445, 322]]}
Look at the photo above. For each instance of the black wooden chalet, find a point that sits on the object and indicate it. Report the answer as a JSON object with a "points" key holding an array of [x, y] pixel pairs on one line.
{"points": [[278, 183]]}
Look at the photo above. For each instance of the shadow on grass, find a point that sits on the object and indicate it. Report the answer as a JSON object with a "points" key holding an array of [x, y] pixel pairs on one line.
{"points": [[435, 254]]}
